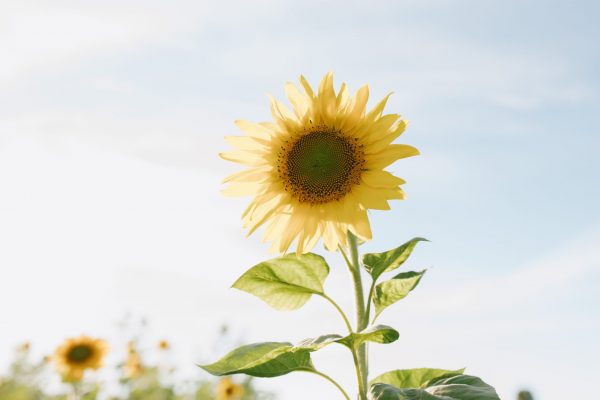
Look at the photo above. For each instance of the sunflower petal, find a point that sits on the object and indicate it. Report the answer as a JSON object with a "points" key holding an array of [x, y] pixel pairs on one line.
{"points": [[255, 130], [381, 179], [300, 102], [248, 143], [306, 87], [389, 155], [369, 198]]}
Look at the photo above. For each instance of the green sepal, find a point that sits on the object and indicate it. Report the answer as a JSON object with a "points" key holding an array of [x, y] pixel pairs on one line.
{"points": [[388, 292], [378, 263], [449, 385], [265, 360], [286, 283], [377, 334]]}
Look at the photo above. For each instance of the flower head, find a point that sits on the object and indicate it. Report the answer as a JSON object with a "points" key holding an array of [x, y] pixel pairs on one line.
{"points": [[315, 172], [76, 355], [164, 345], [228, 390]]}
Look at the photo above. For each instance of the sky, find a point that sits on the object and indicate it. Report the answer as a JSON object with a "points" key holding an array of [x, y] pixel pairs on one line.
{"points": [[112, 115]]}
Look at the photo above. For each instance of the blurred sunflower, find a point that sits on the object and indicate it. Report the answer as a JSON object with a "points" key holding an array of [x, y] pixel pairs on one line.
{"points": [[315, 172], [24, 347], [164, 345], [228, 390], [76, 355], [133, 364]]}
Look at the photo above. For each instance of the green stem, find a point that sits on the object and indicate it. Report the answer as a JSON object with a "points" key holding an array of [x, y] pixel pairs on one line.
{"points": [[348, 262], [369, 301], [330, 379], [75, 394], [339, 309], [359, 376], [361, 320]]}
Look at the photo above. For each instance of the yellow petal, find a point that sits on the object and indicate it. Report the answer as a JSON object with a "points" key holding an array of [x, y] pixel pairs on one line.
{"points": [[240, 189], [292, 230], [326, 98], [306, 87], [248, 143], [376, 130], [253, 129], [243, 157], [342, 97], [377, 110], [356, 108], [283, 116], [361, 228], [300, 102], [390, 154], [381, 179], [265, 210], [381, 143], [370, 198], [252, 175]]}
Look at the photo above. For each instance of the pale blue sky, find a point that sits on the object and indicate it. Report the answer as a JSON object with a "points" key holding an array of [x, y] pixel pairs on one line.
{"points": [[111, 116]]}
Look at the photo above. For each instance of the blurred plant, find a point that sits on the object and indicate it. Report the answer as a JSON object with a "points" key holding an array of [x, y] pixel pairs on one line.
{"points": [[524, 395], [22, 381], [29, 379]]}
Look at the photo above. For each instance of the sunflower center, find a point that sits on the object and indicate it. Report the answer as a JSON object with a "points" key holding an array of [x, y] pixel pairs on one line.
{"points": [[321, 166], [79, 353]]}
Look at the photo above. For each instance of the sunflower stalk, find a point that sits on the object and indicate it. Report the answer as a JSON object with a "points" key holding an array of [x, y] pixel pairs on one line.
{"points": [[361, 316]]}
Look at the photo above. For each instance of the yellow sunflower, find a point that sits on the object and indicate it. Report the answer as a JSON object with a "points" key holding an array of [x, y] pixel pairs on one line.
{"points": [[76, 355], [227, 390], [164, 345], [315, 171]]}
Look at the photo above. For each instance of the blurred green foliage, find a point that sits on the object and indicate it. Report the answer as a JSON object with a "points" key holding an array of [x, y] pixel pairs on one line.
{"points": [[27, 379], [524, 395]]}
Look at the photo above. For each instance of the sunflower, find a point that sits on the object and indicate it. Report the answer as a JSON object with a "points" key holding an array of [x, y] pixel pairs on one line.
{"points": [[76, 355], [315, 172], [164, 345], [227, 390]]}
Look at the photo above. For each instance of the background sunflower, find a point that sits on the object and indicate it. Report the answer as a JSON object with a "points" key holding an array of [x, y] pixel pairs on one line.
{"points": [[76, 355]]}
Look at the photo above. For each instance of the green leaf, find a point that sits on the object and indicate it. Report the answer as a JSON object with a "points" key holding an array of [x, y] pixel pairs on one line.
{"points": [[454, 387], [388, 292], [286, 283], [318, 343], [414, 378], [264, 360], [376, 334], [378, 263]]}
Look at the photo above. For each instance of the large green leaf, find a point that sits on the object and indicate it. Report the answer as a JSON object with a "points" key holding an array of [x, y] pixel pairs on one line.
{"points": [[376, 334], [388, 292], [264, 360], [286, 283], [378, 263], [454, 387], [414, 378]]}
